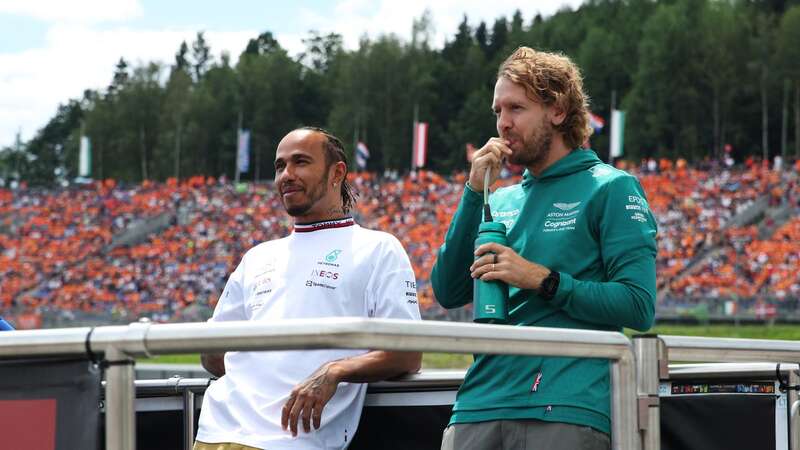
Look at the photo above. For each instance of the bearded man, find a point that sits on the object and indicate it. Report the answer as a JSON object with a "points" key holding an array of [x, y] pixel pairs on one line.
{"points": [[581, 254]]}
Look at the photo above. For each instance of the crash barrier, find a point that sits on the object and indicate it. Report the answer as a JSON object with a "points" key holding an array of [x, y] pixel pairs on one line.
{"points": [[409, 413], [116, 346], [747, 405], [701, 406], [638, 399]]}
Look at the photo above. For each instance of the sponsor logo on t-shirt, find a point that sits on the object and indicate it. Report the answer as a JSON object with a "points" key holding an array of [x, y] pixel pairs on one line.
{"points": [[638, 206], [507, 218], [323, 278], [268, 267], [411, 292], [260, 289], [330, 258], [566, 206], [316, 273], [310, 283], [600, 171], [563, 217]]}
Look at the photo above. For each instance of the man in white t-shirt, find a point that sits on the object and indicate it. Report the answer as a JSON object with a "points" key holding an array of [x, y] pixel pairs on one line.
{"points": [[327, 267]]}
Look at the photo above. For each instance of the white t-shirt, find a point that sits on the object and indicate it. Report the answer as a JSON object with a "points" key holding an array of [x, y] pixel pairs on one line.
{"points": [[327, 269]]}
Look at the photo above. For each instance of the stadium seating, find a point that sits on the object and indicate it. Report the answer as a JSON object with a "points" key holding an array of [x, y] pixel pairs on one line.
{"points": [[55, 257]]}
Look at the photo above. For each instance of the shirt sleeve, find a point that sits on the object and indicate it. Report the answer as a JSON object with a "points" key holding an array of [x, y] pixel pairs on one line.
{"points": [[627, 232], [393, 287], [231, 303]]}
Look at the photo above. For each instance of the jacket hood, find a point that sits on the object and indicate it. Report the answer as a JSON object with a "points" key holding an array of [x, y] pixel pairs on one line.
{"points": [[576, 161]]}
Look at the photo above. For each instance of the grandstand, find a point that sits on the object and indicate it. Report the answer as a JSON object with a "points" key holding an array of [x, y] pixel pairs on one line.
{"points": [[729, 242]]}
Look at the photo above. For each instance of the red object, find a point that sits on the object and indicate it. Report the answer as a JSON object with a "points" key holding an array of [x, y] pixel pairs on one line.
{"points": [[420, 145], [28, 424], [470, 152]]}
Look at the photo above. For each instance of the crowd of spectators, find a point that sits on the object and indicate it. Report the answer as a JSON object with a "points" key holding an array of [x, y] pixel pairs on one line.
{"points": [[55, 252], [694, 206], [753, 264]]}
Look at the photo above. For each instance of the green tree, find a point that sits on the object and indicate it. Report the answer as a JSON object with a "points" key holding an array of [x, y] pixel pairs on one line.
{"points": [[720, 67], [666, 107], [173, 119], [789, 59], [201, 56], [181, 61], [601, 63], [271, 93], [140, 104], [212, 122]]}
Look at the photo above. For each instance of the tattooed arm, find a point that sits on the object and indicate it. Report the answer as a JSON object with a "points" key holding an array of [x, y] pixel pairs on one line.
{"points": [[309, 397]]}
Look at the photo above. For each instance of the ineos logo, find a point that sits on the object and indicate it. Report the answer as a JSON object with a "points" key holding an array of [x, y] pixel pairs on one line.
{"points": [[325, 274]]}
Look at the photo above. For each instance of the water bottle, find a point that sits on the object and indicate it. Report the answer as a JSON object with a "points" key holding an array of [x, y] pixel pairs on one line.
{"points": [[490, 298]]}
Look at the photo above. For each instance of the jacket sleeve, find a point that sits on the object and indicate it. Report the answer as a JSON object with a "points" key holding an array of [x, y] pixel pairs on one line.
{"points": [[452, 284], [627, 232]]}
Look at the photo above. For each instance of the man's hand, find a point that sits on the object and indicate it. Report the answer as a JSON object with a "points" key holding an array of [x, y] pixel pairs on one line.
{"points": [[498, 262], [308, 399], [489, 156]]}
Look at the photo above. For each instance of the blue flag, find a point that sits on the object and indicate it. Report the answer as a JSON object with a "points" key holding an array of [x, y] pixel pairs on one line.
{"points": [[243, 151], [362, 155]]}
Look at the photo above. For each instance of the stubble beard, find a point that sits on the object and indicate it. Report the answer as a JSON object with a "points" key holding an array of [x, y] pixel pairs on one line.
{"points": [[314, 196], [536, 148]]}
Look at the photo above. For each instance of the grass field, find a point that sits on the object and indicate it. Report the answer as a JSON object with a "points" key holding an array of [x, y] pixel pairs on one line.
{"points": [[458, 361]]}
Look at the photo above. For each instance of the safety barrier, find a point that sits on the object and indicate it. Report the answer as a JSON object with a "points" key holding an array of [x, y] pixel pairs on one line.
{"points": [[635, 370], [119, 344], [653, 354]]}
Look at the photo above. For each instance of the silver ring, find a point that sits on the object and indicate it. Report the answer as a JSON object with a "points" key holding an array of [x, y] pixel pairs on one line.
{"points": [[492, 268]]}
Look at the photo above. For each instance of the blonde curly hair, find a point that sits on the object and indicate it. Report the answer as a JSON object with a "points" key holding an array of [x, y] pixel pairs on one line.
{"points": [[552, 80]]}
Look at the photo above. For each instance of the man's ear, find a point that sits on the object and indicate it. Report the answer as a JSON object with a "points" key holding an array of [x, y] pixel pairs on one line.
{"points": [[339, 169], [557, 115]]}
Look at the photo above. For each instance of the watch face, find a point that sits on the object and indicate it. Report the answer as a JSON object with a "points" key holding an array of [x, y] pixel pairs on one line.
{"points": [[549, 285]]}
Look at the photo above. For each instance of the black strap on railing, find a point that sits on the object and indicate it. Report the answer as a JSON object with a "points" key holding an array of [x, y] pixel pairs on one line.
{"points": [[101, 363], [783, 383], [92, 356]]}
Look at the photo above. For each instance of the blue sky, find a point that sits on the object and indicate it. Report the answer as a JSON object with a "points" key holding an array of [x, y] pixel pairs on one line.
{"points": [[51, 50]]}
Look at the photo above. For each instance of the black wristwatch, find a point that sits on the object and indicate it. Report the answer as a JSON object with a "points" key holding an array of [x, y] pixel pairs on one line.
{"points": [[549, 285]]}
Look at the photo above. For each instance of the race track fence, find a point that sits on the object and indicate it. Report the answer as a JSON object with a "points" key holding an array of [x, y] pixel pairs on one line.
{"points": [[120, 344], [635, 368], [653, 354]]}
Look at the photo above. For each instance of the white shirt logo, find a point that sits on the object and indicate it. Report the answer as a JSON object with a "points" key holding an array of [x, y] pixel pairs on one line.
{"points": [[566, 206]]}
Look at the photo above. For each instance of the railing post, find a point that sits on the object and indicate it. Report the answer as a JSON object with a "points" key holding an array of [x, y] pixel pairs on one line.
{"points": [[188, 418], [793, 402], [651, 367], [624, 429], [120, 401]]}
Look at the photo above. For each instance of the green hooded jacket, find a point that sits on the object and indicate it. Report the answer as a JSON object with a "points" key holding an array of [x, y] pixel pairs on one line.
{"points": [[591, 223]]}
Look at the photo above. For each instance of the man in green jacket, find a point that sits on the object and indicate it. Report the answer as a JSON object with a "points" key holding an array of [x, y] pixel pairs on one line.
{"points": [[581, 254]]}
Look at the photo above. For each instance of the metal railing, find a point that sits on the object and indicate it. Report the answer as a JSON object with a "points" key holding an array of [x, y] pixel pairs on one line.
{"points": [[119, 344], [653, 354]]}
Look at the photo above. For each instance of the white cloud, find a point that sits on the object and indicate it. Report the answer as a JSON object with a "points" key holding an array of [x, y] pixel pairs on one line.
{"points": [[73, 10], [34, 81], [353, 18]]}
